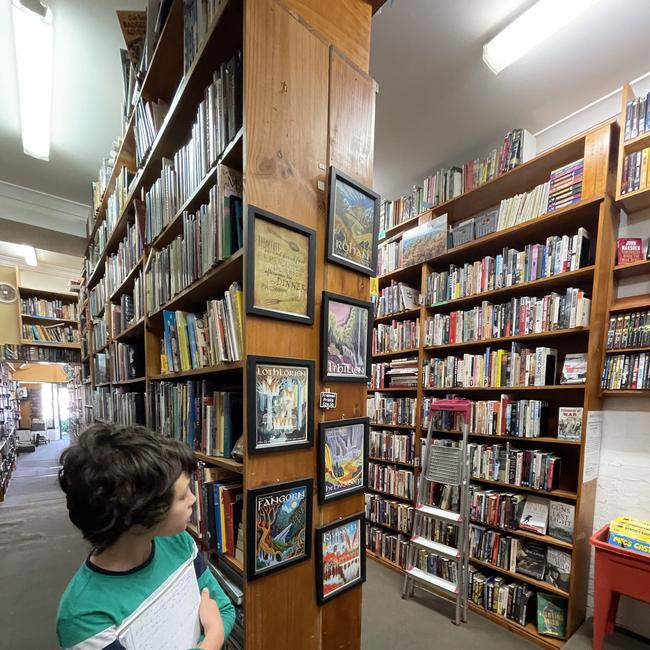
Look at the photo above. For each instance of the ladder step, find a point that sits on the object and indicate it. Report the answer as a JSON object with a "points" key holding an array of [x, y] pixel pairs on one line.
{"points": [[439, 513], [436, 547], [423, 576]]}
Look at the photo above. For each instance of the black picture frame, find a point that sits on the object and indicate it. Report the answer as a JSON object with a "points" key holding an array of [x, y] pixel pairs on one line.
{"points": [[326, 573], [254, 214], [337, 177], [326, 371], [254, 446], [323, 470], [254, 500]]}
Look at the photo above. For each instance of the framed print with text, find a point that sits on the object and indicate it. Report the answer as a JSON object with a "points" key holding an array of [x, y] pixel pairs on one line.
{"points": [[280, 402], [281, 261], [342, 457], [345, 338], [352, 224], [340, 557], [278, 526]]}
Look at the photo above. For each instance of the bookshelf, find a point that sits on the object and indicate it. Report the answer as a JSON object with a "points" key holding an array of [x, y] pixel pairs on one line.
{"points": [[624, 350], [596, 212], [308, 104], [9, 414]]}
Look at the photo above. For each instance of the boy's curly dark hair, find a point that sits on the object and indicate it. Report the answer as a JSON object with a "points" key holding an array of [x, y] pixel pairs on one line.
{"points": [[116, 477]]}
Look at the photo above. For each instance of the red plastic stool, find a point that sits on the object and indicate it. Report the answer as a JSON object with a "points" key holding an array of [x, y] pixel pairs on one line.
{"points": [[617, 571]]}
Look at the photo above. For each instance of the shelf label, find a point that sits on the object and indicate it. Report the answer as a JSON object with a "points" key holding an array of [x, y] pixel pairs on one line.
{"points": [[328, 400]]}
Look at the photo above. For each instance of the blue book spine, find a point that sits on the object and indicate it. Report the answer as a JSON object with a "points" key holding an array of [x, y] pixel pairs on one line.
{"points": [[169, 318], [191, 337]]}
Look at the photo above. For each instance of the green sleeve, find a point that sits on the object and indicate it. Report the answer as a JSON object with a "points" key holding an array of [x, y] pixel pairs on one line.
{"points": [[226, 607]]}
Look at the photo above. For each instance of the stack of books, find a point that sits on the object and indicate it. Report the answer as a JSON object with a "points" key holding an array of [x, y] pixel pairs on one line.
{"points": [[565, 185]]}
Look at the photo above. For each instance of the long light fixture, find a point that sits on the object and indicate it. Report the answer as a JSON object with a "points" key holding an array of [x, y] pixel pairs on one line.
{"points": [[30, 255], [34, 38], [535, 25]]}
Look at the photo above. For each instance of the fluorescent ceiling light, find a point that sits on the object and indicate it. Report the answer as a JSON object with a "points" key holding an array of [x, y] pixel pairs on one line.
{"points": [[33, 37], [535, 25], [30, 255]]}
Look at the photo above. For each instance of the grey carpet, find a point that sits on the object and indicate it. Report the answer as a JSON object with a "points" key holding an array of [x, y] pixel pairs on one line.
{"points": [[422, 622], [39, 551], [581, 640]]}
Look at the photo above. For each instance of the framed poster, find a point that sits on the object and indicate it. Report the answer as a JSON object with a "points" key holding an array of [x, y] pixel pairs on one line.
{"points": [[280, 398], [278, 526], [340, 557], [281, 262], [352, 224], [345, 339], [425, 242], [342, 458]]}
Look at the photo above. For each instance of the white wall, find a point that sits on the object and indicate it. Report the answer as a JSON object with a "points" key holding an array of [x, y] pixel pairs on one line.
{"points": [[624, 479]]}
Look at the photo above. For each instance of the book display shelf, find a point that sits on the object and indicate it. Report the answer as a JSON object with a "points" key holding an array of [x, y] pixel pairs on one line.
{"points": [[627, 343], [397, 421], [259, 102], [9, 414]]}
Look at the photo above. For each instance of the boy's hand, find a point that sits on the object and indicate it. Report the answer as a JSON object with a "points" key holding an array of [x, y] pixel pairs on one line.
{"points": [[210, 618]]}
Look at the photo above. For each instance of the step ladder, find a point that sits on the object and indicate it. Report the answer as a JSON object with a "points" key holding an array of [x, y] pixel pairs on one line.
{"points": [[447, 465]]}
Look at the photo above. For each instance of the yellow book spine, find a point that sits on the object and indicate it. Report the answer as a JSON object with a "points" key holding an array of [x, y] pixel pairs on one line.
{"points": [[644, 168], [183, 343]]}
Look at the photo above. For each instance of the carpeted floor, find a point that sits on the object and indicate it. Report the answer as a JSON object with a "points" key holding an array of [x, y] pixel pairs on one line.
{"points": [[39, 551]]}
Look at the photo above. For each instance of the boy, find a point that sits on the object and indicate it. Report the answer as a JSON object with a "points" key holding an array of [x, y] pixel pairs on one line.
{"points": [[127, 490]]}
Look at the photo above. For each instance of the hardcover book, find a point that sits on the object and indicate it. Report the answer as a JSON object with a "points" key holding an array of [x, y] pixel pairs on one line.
{"points": [[534, 516], [574, 368], [561, 516], [629, 250], [558, 568], [569, 423], [425, 242], [531, 559], [551, 615]]}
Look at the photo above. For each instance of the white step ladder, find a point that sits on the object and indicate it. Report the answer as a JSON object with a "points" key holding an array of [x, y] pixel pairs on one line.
{"points": [[447, 465]]}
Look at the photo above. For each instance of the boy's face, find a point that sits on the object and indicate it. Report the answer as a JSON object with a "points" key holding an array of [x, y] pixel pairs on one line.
{"points": [[180, 509]]}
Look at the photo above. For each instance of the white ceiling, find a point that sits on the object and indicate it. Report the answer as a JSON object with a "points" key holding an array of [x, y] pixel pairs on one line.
{"points": [[439, 104], [86, 98]]}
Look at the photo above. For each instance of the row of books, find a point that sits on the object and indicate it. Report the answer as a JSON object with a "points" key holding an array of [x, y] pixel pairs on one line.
{"points": [[100, 368], [511, 267], [637, 117], [392, 481], [128, 407], [103, 177], [149, 118], [389, 546], [43, 308], [517, 147], [533, 468], [117, 200], [436, 565], [518, 316], [395, 514], [439, 495], [198, 19], [626, 372], [130, 310], [382, 409], [393, 446], [396, 298], [518, 366], [218, 509], [103, 403], [635, 171], [629, 330], [127, 361], [97, 299], [99, 335], [129, 251], [523, 207], [207, 420], [493, 593], [398, 373], [399, 335], [51, 333], [438, 531], [11, 352], [193, 341], [190, 256], [566, 185]]}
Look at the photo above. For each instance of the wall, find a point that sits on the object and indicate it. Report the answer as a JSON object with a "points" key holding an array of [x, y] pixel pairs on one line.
{"points": [[9, 332], [45, 372], [624, 480]]}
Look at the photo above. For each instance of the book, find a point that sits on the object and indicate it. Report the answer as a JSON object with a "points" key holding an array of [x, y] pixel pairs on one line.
{"points": [[531, 559], [551, 615], [569, 423], [561, 517], [628, 250], [534, 516], [574, 368], [558, 568], [425, 242]]}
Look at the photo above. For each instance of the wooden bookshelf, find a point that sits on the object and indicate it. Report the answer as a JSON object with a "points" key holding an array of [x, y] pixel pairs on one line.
{"points": [[519, 532], [304, 72], [632, 270], [598, 214]]}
